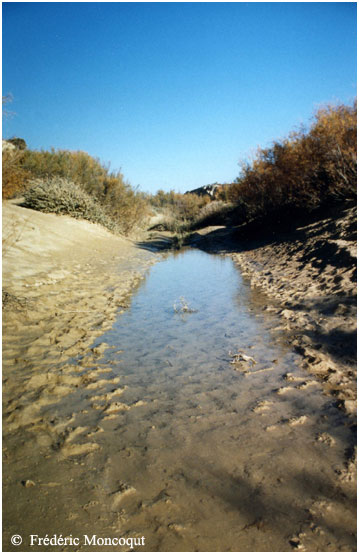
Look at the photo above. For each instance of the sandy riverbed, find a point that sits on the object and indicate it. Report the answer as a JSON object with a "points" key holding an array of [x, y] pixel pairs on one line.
{"points": [[308, 276], [65, 281]]}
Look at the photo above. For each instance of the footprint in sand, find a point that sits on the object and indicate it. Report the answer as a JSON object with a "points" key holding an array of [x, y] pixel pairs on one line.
{"points": [[325, 438], [120, 494], [79, 449], [116, 407], [271, 428], [262, 406], [291, 377], [298, 420], [307, 384], [102, 382], [75, 432], [296, 543], [283, 390], [264, 370], [67, 448]]}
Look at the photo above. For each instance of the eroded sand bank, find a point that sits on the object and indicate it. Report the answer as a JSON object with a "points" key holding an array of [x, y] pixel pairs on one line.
{"points": [[311, 276]]}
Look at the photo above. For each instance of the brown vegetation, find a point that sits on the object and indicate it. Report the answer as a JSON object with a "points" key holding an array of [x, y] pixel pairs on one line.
{"points": [[180, 210], [60, 196], [306, 170], [113, 195], [309, 169], [14, 176]]}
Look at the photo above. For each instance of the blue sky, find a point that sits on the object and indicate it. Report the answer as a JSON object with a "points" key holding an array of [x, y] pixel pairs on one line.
{"points": [[173, 94]]}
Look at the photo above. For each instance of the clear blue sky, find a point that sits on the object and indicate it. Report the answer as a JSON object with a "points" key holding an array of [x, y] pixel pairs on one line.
{"points": [[174, 94]]}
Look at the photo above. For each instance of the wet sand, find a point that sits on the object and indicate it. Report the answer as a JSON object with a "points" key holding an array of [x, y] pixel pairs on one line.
{"points": [[311, 277], [64, 281]]}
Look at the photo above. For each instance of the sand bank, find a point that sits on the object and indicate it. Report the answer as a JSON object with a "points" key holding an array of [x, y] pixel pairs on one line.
{"points": [[44, 250], [63, 283], [310, 275]]}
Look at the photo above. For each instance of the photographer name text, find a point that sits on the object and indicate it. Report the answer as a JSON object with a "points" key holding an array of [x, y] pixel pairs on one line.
{"points": [[85, 540]]}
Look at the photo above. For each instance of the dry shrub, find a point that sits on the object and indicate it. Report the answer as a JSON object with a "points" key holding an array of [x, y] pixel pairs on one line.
{"points": [[60, 196], [125, 204], [78, 167], [190, 205], [305, 170], [181, 209], [212, 213], [14, 176], [335, 130], [108, 190]]}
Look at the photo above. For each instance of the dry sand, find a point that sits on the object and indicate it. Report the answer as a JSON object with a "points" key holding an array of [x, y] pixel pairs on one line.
{"points": [[64, 281]]}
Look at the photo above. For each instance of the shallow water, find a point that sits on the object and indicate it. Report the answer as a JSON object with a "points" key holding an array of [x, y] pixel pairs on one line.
{"points": [[160, 436], [221, 456]]}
